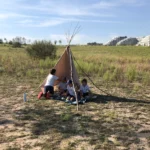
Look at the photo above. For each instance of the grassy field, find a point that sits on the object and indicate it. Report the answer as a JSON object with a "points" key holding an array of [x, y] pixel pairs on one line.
{"points": [[108, 122]]}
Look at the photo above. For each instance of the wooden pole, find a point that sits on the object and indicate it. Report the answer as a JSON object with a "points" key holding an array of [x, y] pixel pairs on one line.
{"points": [[71, 66]]}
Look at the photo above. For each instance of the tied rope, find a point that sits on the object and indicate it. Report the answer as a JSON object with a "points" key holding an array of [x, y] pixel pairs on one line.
{"points": [[90, 78]]}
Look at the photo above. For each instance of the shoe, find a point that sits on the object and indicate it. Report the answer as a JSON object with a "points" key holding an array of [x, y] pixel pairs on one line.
{"points": [[67, 101], [74, 103], [62, 98]]}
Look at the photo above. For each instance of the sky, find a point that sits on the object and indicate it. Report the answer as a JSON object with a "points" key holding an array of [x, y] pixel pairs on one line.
{"points": [[100, 20]]}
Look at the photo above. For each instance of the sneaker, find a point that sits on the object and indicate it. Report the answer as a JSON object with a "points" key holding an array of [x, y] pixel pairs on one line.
{"points": [[74, 103], [62, 98], [84, 101], [67, 101]]}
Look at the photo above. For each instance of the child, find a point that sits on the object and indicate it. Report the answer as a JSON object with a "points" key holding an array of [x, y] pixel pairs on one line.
{"points": [[84, 89], [70, 91], [63, 87], [49, 85]]}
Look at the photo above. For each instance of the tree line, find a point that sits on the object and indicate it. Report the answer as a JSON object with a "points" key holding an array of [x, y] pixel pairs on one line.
{"points": [[19, 41]]}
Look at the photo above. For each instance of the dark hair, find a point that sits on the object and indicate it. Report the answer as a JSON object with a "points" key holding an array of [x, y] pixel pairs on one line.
{"points": [[84, 80], [53, 71], [69, 82]]}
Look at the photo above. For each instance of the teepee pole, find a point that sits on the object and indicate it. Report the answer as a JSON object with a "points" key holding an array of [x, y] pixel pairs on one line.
{"points": [[71, 71]]}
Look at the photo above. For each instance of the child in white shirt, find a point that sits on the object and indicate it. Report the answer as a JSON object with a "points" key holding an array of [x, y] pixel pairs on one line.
{"points": [[84, 89], [70, 91], [63, 87], [49, 85]]}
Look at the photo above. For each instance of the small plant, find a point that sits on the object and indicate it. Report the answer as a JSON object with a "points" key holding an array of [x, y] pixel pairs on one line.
{"points": [[42, 49], [66, 117], [146, 78], [106, 76], [131, 74]]}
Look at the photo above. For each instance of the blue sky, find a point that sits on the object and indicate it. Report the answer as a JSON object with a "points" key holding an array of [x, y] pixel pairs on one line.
{"points": [[100, 20]]}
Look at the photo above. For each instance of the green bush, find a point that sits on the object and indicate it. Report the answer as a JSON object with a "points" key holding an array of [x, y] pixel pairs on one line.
{"points": [[10, 42], [16, 44], [42, 49], [1, 41]]}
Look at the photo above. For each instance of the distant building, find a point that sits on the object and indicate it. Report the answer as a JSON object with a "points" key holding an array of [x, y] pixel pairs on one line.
{"points": [[145, 41], [94, 43], [128, 41], [114, 41]]}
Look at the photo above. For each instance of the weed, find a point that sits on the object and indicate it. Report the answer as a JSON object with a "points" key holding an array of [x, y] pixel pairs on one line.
{"points": [[66, 117]]}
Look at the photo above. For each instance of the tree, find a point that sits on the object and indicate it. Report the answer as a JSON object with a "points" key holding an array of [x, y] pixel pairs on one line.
{"points": [[42, 49], [5, 40], [55, 42], [60, 42], [18, 41], [1, 41], [10, 42], [16, 44]]}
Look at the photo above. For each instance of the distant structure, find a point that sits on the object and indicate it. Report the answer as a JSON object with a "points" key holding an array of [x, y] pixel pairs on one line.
{"points": [[114, 41], [125, 41], [145, 41], [128, 41], [94, 43]]}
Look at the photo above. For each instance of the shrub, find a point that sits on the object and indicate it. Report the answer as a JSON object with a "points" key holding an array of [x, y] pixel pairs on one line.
{"points": [[16, 44], [1, 41], [10, 42], [42, 49]]}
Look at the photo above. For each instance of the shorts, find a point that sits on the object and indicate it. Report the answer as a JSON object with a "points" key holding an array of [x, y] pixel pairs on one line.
{"points": [[71, 96], [49, 89], [85, 94]]}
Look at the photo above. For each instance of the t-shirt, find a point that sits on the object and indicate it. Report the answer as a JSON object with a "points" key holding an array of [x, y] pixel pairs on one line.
{"points": [[71, 90], [63, 85], [50, 80], [84, 89]]}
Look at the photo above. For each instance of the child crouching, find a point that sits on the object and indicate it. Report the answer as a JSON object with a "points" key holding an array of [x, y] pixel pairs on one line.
{"points": [[63, 87], [70, 92], [84, 89]]}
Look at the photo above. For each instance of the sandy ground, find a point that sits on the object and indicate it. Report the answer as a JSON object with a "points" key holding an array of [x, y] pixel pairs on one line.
{"points": [[103, 123]]}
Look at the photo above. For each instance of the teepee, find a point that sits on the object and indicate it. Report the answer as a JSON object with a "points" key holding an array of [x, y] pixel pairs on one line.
{"points": [[65, 68]]}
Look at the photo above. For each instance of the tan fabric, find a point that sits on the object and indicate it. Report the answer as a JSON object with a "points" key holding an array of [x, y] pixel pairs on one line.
{"points": [[63, 68]]}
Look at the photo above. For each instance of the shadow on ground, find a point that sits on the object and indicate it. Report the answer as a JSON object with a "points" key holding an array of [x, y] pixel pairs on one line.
{"points": [[107, 98], [95, 125]]}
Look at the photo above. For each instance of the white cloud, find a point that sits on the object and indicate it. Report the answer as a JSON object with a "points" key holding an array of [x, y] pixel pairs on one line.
{"points": [[60, 20], [15, 15], [26, 21], [116, 3], [104, 5], [50, 23]]}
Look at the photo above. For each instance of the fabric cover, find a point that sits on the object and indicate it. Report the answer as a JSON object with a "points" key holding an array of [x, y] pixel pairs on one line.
{"points": [[63, 68]]}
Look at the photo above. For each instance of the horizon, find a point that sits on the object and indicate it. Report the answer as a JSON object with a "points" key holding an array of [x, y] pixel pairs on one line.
{"points": [[100, 20]]}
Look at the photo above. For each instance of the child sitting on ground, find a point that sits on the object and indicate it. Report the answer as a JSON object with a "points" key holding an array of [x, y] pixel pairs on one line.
{"points": [[70, 92], [84, 89], [63, 87], [49, 85]]}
